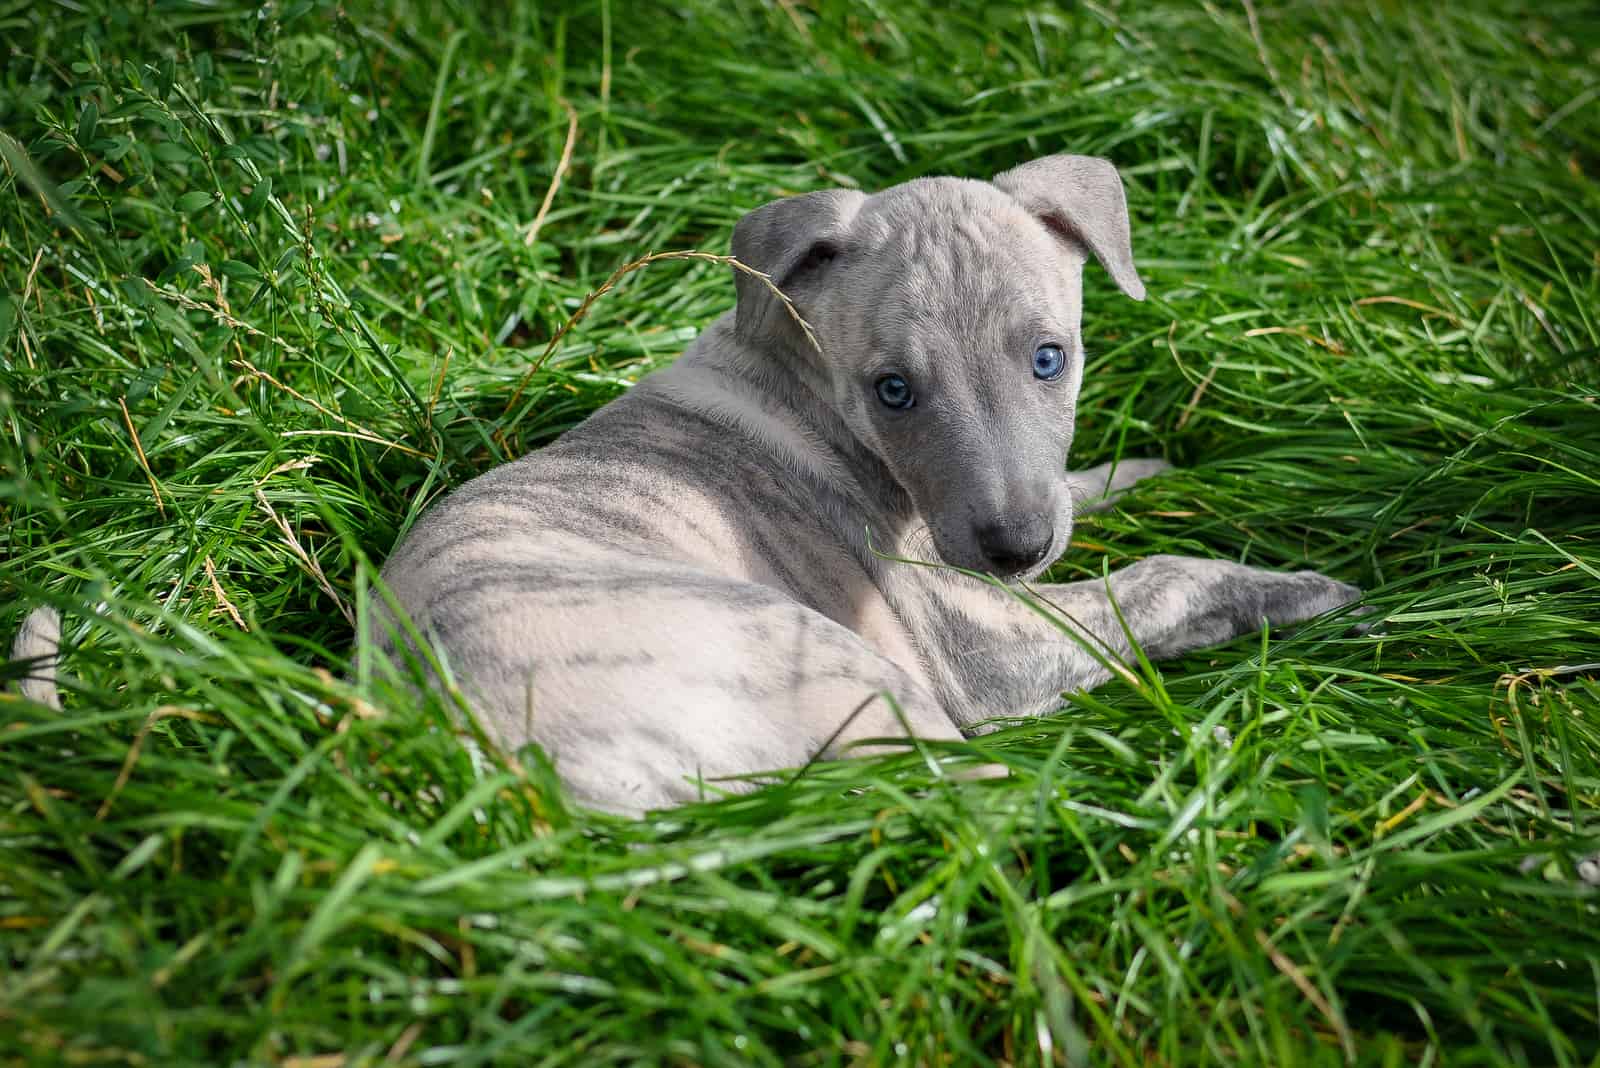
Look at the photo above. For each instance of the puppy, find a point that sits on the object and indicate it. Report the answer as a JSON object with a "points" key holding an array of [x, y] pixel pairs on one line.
{"points": [[705, 579]]}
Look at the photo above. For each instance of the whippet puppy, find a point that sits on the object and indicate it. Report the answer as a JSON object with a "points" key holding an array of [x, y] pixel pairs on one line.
{"points": [[708, 577]]}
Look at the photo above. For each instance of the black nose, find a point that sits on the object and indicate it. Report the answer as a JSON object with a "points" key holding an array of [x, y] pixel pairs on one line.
{"points": [[1016, 543]]}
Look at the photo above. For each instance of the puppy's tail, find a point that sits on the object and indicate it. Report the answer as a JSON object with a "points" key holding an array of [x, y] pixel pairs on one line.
{"points": [[37, 646]]}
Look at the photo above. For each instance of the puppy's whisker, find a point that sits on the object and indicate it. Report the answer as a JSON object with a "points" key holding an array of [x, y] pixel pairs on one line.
{"points": [[918, 544]]}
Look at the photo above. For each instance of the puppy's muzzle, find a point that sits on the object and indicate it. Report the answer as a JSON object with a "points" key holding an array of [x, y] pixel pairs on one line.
{"points": [[1013, 544]]}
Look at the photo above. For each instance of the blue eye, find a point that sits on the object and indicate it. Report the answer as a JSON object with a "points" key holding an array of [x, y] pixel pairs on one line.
{"points": [[895, 392], [1048, 362]]}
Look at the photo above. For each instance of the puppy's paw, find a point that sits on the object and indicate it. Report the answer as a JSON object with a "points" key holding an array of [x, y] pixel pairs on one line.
{"points": [[1588, 867], [975, 772], [1098, 488], [1127, 472], [1306, 595], [1366, 620]]}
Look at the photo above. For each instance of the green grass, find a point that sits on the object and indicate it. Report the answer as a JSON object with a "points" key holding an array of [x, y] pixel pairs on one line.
{"points": [[292, 243]]}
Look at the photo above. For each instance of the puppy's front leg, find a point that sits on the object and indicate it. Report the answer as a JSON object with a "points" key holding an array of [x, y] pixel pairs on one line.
{"points": [[1176, 604], [1094, 489]]}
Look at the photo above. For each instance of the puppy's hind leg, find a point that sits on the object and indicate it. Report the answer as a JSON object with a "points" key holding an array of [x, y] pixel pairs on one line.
{"points": [[37, 646], [678, 693]]}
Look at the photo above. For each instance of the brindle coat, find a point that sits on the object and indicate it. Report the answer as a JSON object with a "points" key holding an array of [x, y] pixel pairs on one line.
{"points": [[693, 582]]}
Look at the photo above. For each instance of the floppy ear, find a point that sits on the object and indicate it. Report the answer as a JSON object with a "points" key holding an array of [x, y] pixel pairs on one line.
{"points": [[1079, 198], [791, 241]]}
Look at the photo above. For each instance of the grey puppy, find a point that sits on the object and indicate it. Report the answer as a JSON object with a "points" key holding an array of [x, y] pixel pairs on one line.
{"points": [[692, 584]]}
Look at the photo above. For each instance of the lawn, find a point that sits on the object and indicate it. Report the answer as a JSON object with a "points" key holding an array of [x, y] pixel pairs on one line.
{"points": [[277, 278]]}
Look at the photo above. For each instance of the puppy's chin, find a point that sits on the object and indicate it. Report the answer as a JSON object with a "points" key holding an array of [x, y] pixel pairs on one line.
{"points": [[1033, 573], [1062, 542], [1058, 548], [976, 563]]}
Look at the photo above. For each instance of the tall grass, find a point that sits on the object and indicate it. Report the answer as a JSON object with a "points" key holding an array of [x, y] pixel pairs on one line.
{"points": [[270, 290]]}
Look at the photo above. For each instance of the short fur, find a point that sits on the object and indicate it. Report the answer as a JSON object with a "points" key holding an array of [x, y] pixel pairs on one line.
{"points": [[37, 645], [690, 584]]}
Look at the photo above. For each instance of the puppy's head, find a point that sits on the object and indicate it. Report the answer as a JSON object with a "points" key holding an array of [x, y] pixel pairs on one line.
{"points": [[947, 313]]}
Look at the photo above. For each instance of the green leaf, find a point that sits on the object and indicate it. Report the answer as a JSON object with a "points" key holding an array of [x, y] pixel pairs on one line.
{"points": [[190, 203], [88, 119], [257, 198], [215, 338], [171, 152], [239, 270], [134, 292]]}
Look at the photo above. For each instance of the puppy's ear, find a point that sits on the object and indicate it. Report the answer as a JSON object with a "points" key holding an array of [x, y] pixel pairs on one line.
{"points": [[791, 241], [1079, 198]]}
